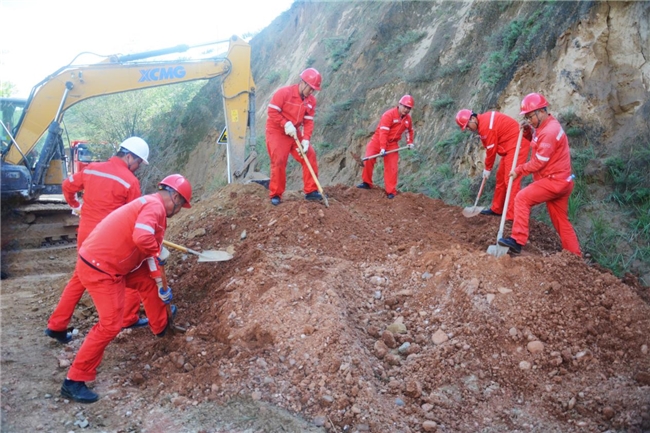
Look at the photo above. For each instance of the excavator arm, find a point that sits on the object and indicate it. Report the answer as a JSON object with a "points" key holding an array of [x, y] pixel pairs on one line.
{"points": [[72, 84]]}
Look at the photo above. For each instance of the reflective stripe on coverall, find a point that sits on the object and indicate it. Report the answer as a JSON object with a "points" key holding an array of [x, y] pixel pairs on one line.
{"points": [[550, 165], [287, 105], [499, 134], [106, 186], [119, 244], [387, 136]]}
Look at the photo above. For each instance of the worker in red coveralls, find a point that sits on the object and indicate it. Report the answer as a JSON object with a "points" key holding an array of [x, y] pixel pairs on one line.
{"points": [[106, 186], [392, 125], [499, 134], [116, 255], [550, 165], [290, 118]]}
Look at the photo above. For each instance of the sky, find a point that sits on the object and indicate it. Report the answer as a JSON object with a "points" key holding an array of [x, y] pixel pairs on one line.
{"points": [[40, 36]]}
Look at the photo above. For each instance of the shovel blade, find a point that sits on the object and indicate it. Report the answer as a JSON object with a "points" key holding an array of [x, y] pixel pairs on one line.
{"points": [[214, 256], [497, 250], [472, 211]]}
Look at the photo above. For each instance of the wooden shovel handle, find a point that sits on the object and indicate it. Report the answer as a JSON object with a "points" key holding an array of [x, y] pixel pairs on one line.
{"points": [[311, 170], [175, 246], [507, 200], [379, 154]]}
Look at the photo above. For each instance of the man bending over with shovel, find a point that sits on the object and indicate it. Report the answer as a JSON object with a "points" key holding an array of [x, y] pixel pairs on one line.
{"points": [[113, 257], [385, 143], [290, 118], [550, 165], [498, 133]]}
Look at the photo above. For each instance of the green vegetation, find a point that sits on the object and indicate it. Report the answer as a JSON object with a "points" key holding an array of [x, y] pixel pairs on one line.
{"points": [[337, 50], [443, 102], [403, 40], [509, 43], [459, 68], [7, 88], [446, 146]]}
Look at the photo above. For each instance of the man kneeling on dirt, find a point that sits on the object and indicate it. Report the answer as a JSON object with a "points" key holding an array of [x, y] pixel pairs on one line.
{"points": [[113, 257]]}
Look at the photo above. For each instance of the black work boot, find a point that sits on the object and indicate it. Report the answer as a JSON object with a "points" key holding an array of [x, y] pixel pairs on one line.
{"points": [[314, 195], [510, 243], [364, 185], [63, 337], [489, 211], [78, 391]]}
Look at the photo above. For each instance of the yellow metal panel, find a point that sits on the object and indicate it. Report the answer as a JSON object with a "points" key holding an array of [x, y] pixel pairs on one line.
{"points": [[55, 174]]}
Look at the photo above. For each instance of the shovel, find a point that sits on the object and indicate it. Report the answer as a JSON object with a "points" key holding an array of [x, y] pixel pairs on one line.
{"points": [[499, 250], [205, 256], [360, 161], [472, 211], [311, 170]]}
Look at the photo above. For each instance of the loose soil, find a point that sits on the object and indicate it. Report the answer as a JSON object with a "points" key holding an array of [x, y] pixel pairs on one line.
{"points": [[370, 315]]}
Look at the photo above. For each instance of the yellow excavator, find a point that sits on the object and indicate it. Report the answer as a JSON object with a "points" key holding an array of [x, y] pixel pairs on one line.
{"points": [[36, 176]]}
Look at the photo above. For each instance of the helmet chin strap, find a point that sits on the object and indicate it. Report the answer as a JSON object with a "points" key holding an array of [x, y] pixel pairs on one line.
{"points": [[176, 206]]}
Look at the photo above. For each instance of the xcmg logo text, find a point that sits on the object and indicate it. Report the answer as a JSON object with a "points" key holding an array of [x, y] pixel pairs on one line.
{"points": [[159, 74]]}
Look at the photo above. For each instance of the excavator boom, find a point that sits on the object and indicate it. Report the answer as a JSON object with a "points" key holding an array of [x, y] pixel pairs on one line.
{"points": [[39, 177]]}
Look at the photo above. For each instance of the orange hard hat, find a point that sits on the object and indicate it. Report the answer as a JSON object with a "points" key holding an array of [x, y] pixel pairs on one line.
{"points": [[312, 77], [407, 101], [179, 184], [532, 102], [462, 118]]}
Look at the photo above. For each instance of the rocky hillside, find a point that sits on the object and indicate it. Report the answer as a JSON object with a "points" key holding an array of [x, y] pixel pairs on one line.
{"points": [[588, 58]]}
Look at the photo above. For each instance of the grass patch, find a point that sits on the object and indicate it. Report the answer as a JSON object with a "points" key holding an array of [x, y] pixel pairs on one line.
{"points": [[337, 51], [515, 37], [403, 40], [444, 102]]}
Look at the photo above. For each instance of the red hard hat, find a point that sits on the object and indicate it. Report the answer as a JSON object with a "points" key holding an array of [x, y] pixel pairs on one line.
{"points": [[181, 185], [407, 101], [532, 102], [312, 77], [462, 118]]}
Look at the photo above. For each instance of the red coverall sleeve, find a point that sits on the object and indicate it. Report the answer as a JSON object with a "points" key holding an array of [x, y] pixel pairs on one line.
{"points": [[490, 144], [275, 107], [308, 121], [410, 135], [384, 128], [144, 233], [71, 186], [538, 159]]}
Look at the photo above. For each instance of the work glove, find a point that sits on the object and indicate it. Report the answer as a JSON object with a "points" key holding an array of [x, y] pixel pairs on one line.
{"points": [[410, 145], [528, 131], [305, 145], [165, 295], [163, 256], [486, 174], [290, 130], [77, 210], [382, 152]]}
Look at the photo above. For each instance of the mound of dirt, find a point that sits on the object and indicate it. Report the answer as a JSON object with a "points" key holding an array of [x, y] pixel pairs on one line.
{"points": [[388, 315], [370, 315]]}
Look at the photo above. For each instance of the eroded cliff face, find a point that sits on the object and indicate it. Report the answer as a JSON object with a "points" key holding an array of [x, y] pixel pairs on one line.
{"points": [[599, 69]]}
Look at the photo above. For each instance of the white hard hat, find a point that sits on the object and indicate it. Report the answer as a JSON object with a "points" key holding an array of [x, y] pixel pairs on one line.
{"points": [[138, 147]]}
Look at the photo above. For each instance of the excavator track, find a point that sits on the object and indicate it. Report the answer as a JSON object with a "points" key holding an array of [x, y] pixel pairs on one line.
{"points": [[46, 223]]}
